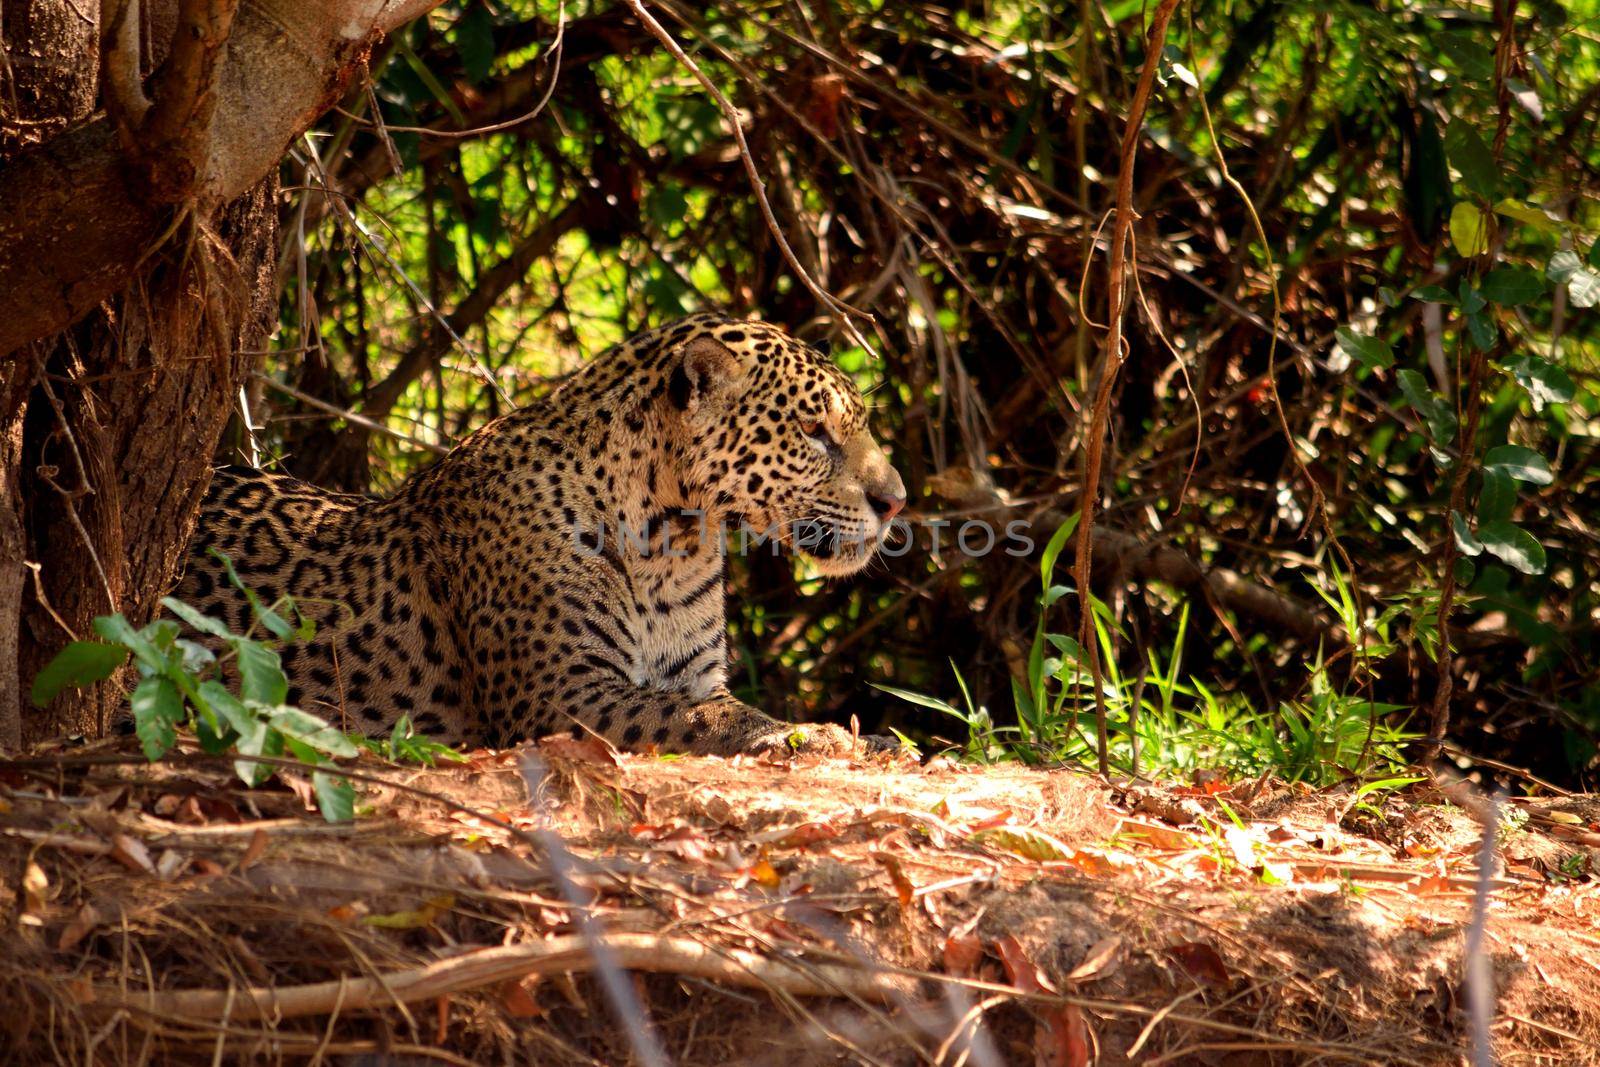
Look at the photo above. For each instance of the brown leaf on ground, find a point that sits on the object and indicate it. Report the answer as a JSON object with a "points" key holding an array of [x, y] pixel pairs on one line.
{"points": [[962, 954], [75, 931], [132, 854], [253, 851], [1095, 962], [586, 749], [1201, 961], [904, 890]]}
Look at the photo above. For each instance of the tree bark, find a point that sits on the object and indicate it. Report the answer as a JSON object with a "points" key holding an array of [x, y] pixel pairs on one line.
{"points": [[138, 241]]}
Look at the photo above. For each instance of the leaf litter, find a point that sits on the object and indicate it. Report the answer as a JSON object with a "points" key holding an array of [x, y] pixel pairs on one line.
{"points": [[814, 911]]}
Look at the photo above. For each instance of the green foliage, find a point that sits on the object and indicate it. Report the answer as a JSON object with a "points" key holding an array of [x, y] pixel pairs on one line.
{"points": [[1181, 726], [181, 687]]}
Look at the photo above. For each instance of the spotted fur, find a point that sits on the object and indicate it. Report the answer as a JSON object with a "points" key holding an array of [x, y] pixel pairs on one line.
{"points": [[494, 597]]}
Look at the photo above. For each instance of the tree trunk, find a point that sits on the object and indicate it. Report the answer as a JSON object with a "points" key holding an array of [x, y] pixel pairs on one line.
{"points": [[138, 241], [119, 435]]}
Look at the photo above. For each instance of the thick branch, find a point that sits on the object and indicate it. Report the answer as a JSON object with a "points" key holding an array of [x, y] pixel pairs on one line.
{"points": [[72, 223], [494, 283], [490, 966]]}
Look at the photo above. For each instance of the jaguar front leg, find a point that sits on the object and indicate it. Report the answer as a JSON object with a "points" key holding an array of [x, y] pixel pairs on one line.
{"points": [[637, 717]]}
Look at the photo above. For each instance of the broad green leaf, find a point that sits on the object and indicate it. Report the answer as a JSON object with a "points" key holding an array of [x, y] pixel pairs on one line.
{"points": [[1516, 547], [1511, 286], [157, 710], [196, 658], [1465, 571], [1584, 289], [1467, 54], [308, 729], [336, 797], [81, 663], [229, 708], [274, 622], [1469, 230], [1523, 464], [118, 631], [1528, 214], [261, 677], [1482, 331], [196, 619], [1472, 301], [1545, 382], [1432, 294], [1371, 352], [1440, 418], [1498, 497], [474, 35], [1468, 544], [1563, 265], [1471, 156]]}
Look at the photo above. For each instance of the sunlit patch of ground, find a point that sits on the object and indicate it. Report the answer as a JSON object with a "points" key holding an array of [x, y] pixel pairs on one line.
{"points": [[580, 907]]}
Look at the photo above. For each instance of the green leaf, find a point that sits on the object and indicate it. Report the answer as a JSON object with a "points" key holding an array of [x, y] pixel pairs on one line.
{"points": [[1465, 571], [157, 710], [336, 797], [1468, 544], [274, 622], [80, 664], [1472, 301], [474, 34], [920, 699], [1511, 286], [1440, 418], [310, 730], [1584, 289], [261, 676], [1523, 464], [1371, 352], [1471, 156], [1482, 331], [1469, 230], [1498, 497], [118, 631], [197, 659], [1470, 56], [229, 708], [1545, 382], [1563, 265], [196, 620], [1432, 294], [1528, 214], [1515, 546]]}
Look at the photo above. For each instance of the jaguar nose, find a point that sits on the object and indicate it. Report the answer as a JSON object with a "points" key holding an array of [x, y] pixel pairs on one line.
{"points": [[887, 507]]}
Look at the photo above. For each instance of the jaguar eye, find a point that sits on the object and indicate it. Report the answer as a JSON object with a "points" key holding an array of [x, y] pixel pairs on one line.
{"points": [[816, 430]]}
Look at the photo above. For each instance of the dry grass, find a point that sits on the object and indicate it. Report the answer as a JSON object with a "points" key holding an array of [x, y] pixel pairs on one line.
{"points": [[694, 911]]}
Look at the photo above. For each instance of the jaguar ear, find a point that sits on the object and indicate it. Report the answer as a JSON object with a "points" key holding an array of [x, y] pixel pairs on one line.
{"points": [[706, 370]]}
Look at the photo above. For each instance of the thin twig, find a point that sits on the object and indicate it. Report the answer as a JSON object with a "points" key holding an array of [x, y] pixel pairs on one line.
{"points": [[757, 184], [1112, 362]]}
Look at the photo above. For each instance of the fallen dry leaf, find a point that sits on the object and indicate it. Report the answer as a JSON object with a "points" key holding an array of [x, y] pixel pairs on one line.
{"points": [[253, 851], [516, 998], [962, 954], [903, 888], [1201, 961], [75, 931], [586, 749], [1021, 971], [131, 853], [810, 833], [1095, 962]]}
